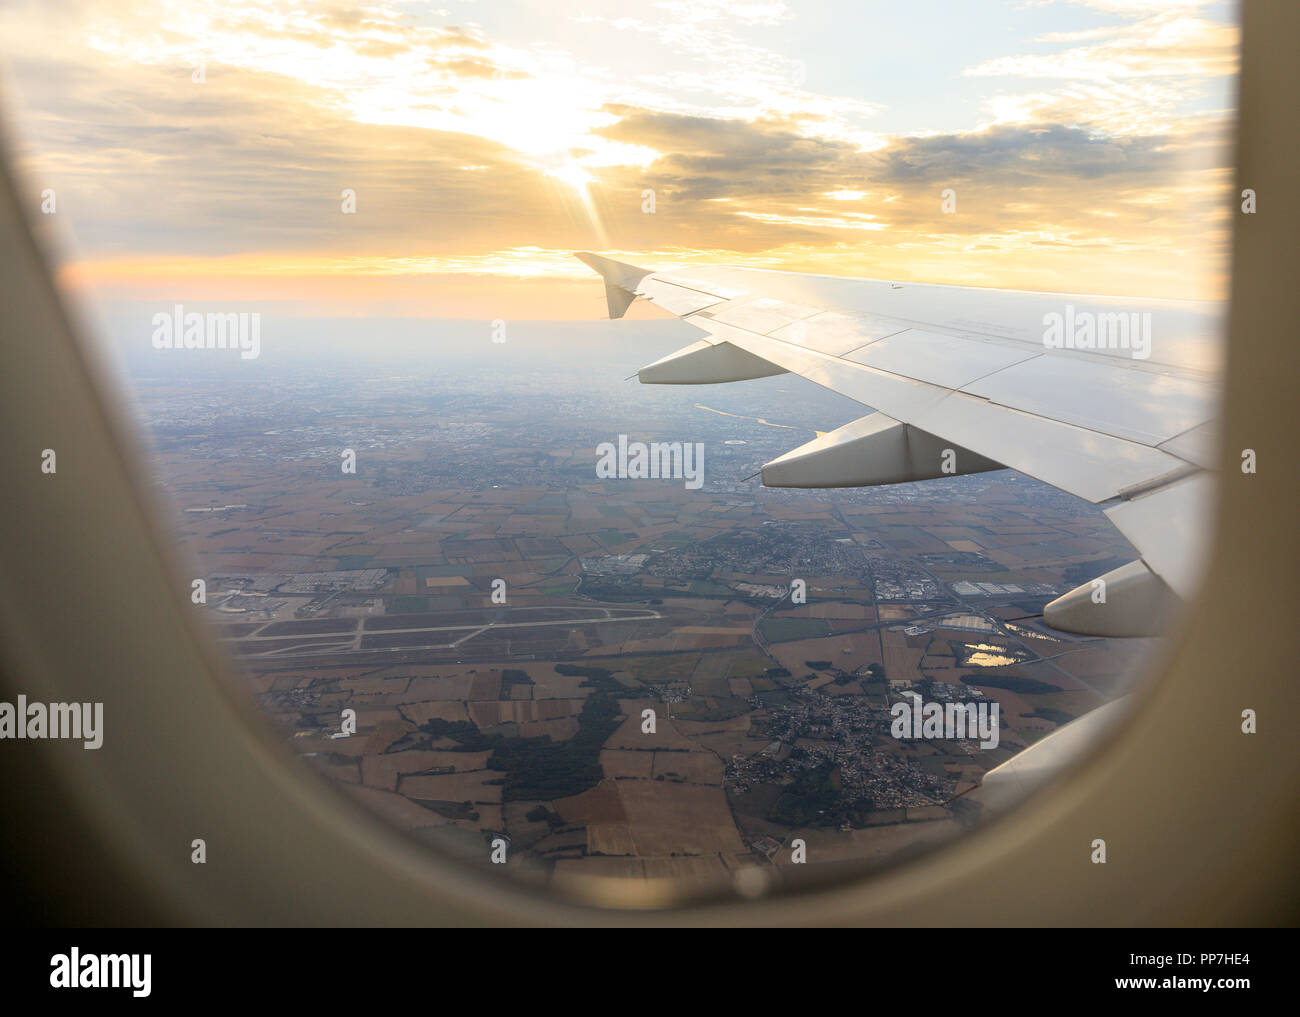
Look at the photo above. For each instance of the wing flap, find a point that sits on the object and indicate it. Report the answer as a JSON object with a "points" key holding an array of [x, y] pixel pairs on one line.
{"points": [[1126, 402], [942, 360], [837, 334]]}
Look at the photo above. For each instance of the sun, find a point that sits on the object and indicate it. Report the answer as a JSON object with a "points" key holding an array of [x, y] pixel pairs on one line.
{"points": [[573, 176]]}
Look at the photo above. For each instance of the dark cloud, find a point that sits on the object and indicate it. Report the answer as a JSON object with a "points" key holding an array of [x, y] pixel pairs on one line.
{"points": [[704, 157], [1054, 177], [1020, 154]]}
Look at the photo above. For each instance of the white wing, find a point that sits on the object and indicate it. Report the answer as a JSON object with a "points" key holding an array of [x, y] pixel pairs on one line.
{"points": [[962, 380]]}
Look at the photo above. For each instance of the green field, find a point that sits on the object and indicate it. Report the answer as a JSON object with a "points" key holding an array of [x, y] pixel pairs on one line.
{"points": [[748, 666], [660, 670], [783, 630]]}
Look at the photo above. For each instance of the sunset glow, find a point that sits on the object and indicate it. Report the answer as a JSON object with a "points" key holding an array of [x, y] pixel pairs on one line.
{"points": [[205, 148]]}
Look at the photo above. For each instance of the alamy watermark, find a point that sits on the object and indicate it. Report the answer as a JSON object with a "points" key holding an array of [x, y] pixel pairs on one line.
{"points": [[657, 460], [181, 330], [946, 720], [82, 722], [1105, 330], [75, 970]]}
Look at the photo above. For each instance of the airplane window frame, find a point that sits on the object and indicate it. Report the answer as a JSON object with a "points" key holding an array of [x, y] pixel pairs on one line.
{"points": [[318, 859]]}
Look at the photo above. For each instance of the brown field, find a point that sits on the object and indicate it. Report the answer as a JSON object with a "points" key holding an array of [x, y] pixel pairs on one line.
{"points": [[373, 685], [454, 787], [385, 734], [681, 641], [521, 711], [740, 687], [442, 687], [901, 660], [602, 804], [840, 610], [610, 839], [696, 728], [627, 763], [418, 713], [730, 743], [629, 736], [875, 844], [383, 771], [490, 817], [862, 648], [666, 818], [400, 812], [549, 685], [695, 767], [558, 730]]}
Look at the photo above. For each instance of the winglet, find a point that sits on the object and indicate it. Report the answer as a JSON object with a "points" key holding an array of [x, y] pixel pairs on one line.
{"points": [[620, 281]]}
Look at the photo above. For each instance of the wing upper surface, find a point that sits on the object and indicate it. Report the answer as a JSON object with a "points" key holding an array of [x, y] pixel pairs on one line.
{"points": [[971, 365]]}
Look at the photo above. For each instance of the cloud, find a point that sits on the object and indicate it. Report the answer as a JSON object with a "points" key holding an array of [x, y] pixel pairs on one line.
{"points": [[1016, 156], [1135, 79], [473, 157], [1161, 46]]}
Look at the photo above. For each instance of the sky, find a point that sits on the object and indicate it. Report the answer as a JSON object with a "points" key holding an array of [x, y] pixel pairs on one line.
{"points": [[200, 151]]}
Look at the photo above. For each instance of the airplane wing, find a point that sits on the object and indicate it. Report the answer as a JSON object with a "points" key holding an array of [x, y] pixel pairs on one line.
{"points": [[1109, 399]]}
